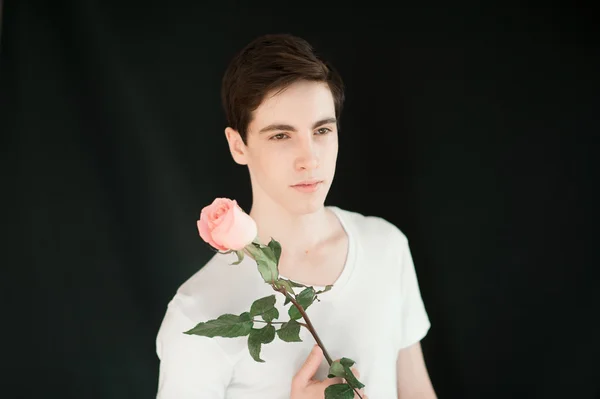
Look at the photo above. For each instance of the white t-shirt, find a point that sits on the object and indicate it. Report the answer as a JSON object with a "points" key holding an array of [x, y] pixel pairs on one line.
{"points": [[373, 310]]}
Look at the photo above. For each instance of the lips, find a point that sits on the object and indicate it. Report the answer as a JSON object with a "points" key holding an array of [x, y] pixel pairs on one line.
{"points": [[307, 183], [309, 186]]}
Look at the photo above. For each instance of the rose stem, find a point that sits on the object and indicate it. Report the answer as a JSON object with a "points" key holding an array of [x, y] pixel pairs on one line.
{"points": [[308, 322], [312, 330], [309, 325]]}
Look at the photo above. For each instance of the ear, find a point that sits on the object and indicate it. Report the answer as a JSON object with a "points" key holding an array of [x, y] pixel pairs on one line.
{"points": [[236, 146]]}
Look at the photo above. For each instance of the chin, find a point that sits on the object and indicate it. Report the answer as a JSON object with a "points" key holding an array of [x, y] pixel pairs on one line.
{"points": [[305, 206]]}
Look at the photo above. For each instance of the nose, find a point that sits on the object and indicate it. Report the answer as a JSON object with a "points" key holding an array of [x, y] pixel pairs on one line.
{"points": [[307, 158]]}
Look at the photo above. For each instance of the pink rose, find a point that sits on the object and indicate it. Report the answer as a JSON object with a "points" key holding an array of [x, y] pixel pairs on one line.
{"points": [[224, 225]]}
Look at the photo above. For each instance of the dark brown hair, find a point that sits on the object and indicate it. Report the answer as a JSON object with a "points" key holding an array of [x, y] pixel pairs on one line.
{"points": [[272, 62]]}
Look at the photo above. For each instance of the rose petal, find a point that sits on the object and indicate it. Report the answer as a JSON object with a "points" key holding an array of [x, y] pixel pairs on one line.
{"points": [[247, 226], [206, 236], [225, 229], [242, 232], [224, 225]]}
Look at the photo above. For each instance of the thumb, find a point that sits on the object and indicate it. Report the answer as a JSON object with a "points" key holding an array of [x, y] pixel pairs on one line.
{"points": [[310, 366]]}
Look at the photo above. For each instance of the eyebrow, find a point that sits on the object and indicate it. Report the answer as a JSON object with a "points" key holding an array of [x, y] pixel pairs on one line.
{"points": [[280, 126]]}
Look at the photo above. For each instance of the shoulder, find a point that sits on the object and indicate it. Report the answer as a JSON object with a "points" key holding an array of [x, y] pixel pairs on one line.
{"points": [[217, 287], [371, 227], [195, 293]]}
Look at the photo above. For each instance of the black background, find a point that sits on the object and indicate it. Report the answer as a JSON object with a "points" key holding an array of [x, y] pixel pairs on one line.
{"points": [[471, 128]]}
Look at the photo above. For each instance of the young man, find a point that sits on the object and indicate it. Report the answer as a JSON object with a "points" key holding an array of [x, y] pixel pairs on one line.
{"points": [[283, 106]]}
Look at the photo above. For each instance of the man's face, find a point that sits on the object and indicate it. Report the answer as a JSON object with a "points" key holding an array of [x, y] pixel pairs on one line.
{"points": [[293, 138]]}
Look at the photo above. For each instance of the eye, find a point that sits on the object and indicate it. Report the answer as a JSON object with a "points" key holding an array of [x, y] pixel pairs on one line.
{"points": [[323, 130], [277, 137]]}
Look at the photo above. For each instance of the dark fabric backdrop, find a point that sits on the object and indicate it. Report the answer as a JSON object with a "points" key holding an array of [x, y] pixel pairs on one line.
{"points": [[470, 127]]}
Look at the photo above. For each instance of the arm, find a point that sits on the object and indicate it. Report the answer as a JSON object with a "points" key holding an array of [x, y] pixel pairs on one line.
{"points": [[191, 366], [413, 378]]}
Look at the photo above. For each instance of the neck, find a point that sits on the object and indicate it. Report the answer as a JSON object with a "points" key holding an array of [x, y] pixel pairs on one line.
{"points": [[296, 232]]}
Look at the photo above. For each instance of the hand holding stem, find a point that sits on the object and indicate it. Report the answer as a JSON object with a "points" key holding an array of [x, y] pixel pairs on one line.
{"points": [[310, 327]]}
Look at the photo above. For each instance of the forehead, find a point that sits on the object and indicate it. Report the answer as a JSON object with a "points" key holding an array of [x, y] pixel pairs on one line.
{"points": [[302, 103]]}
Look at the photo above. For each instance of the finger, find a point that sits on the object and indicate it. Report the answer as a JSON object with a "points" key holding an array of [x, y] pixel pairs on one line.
{"points": [[331, 381], [355, 372], [310, 366]]}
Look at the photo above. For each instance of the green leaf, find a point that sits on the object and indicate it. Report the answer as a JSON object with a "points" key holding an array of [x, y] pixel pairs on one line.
{"points": [[267, 270], [341, 368], [265, 260], [336, 370], [295, 284], [264, 335], [290, 331], [276, 248], [255, 250], [287, 284], [327, 288], [339, 391], [304, 299], [351, 378], [270, 314], [226, 325], [283, 283], [240, 254], [262, 305], [258, 337], [268, 251], [265, 307], [254, 347]]}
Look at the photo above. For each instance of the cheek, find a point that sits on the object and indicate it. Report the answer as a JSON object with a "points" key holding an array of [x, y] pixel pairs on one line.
{"points": [[330, 152], [269, 162]]}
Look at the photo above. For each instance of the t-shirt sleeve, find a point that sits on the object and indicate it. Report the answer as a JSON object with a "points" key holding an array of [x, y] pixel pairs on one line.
{"points": [[414, 321], [190, 366]]}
